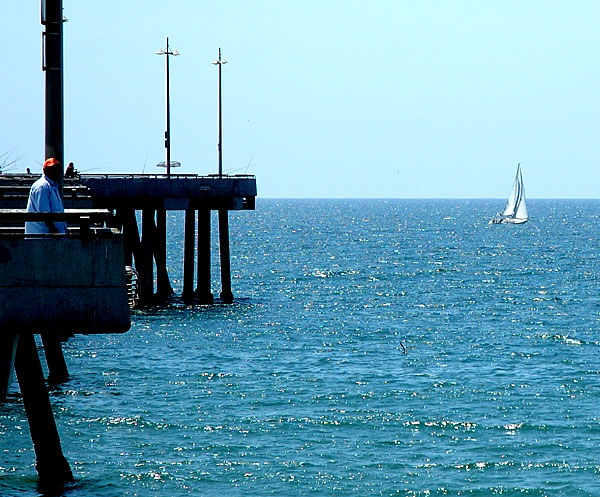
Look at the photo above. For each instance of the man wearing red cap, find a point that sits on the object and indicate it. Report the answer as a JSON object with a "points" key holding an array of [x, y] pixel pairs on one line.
{"points": [[44, 196]]}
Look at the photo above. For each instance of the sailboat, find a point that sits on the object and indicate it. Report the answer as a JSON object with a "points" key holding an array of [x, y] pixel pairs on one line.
{"points": [[515, 211]]}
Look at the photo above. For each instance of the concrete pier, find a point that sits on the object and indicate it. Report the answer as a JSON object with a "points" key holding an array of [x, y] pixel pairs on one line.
{"points": [[145, 241], [53, 285], [58, 285]]}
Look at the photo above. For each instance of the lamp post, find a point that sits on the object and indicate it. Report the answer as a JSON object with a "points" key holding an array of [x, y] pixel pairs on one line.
{"points": [[53, 65], [166, 53], [219, 62]]}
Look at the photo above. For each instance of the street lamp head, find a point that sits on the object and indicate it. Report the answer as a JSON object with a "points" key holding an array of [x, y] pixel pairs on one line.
{"points": [[167, 52], [219, 61], [164, 52]]}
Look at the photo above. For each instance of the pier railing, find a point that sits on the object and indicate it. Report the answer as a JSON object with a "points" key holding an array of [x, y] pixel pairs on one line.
{"points": [[172, 176], [84, 219]]}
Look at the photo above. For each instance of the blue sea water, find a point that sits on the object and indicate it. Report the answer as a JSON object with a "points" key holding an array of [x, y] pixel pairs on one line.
{"points": [[375, 347]]}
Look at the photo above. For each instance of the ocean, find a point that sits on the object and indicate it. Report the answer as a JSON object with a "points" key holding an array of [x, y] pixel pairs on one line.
{"points": [[375, 347]]}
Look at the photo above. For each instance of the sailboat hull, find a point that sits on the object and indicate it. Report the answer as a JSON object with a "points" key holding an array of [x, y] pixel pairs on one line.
{"points": [[508, 220]]}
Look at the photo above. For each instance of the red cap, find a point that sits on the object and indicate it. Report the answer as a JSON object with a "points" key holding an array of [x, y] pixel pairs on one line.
{"points": [[51, 162]]}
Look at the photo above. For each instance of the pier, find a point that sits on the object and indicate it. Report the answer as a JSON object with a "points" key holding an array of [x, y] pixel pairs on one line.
{"points": [[151, 197], [55, 285], [58, 285], [139, 203], [88, 291]]}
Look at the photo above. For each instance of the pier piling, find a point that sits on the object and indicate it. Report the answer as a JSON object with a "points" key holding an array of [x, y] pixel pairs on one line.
{"points": [[163, 284], [57, 366], [8, 347], [226, 294], [146, 264], [52, 466], [131, 235], [203, 288], [188, 255]]}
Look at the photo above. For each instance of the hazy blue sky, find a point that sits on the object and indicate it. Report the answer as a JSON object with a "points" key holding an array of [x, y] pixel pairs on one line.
{"points": [[323, 98]]}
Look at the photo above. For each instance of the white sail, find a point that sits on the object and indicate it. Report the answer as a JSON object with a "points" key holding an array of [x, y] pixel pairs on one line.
{"points": [[515, 211], [521, 210]]}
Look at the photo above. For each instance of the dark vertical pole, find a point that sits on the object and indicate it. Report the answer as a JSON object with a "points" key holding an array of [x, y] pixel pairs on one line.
{"points": [[168, 132], [220, 145], [168, 53], [219, 62], [52, 467], [163, 285], [8, 347], [52, 18], [57, 366], [146, 269], [203, 291], [188, 255], [226, 295]]}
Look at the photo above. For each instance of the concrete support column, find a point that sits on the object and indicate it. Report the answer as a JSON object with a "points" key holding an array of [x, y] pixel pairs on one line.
{"points": [[57, 366], [226, 294], [203, 290], [52, 467], [146, 268], [188, 255], [163, 285], [123, 216], [8, 348]]}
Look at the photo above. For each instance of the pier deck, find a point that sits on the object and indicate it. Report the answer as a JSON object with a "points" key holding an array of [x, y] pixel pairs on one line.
{"points": [[151, 195], [139, 191]]}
